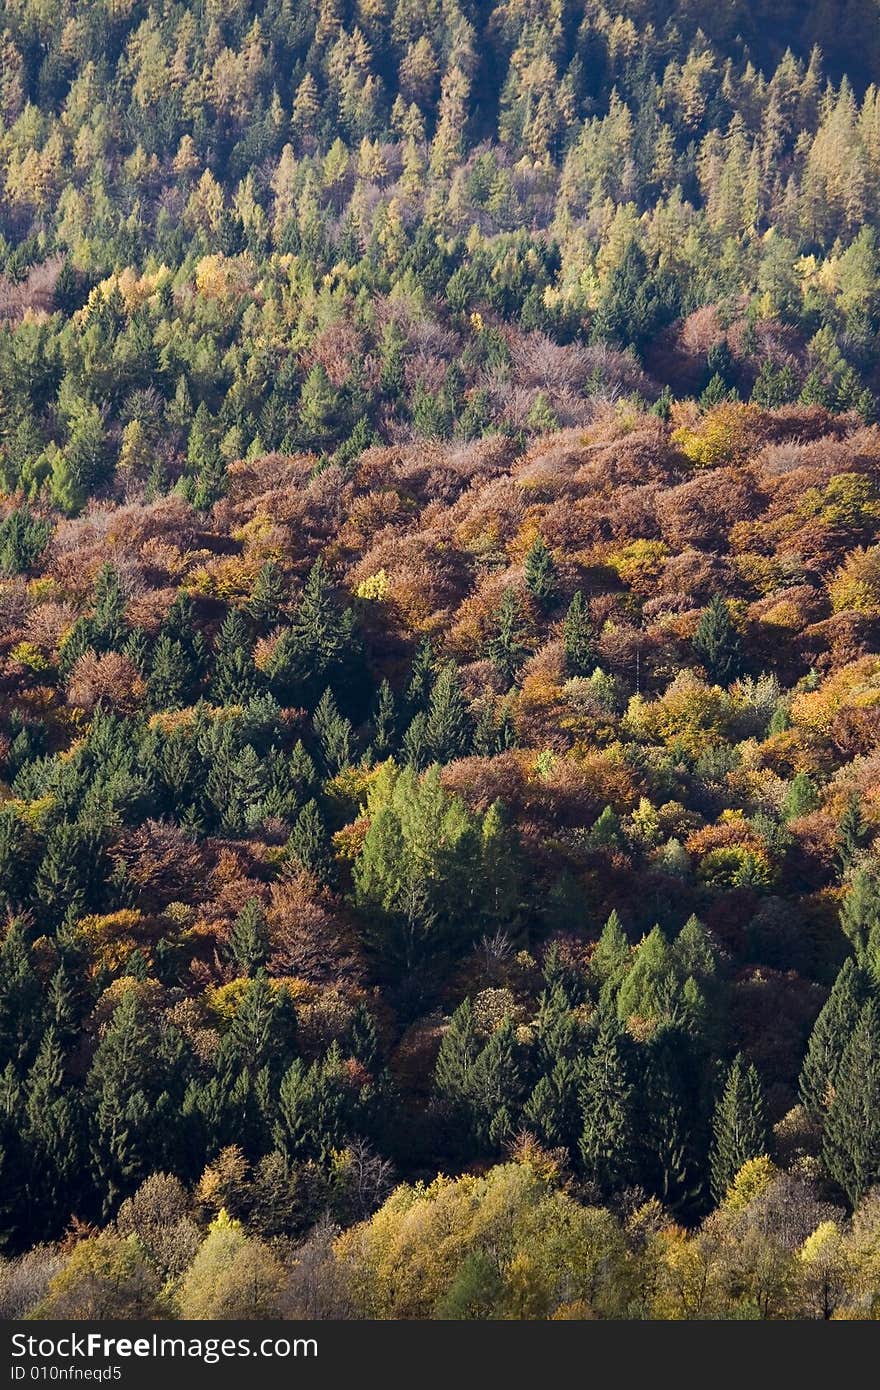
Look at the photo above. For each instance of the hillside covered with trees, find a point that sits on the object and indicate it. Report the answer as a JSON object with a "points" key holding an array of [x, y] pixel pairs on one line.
{"points": [[439, 660]]}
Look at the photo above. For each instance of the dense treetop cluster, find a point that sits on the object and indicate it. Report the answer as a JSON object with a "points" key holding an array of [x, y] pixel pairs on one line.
{"points": [[439, 665]]}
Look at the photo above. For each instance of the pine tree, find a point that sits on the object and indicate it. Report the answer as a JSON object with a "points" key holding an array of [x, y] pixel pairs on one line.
{"points": [[851, 1143], [739, 1125], [540, 574], [51, 1138], [651, 985], [448, 727], [267, 596], [334, 734], [607, 1142], [235, 678], [717, 642], [170, 675], [422, 678], [121, 1093], [20, 1002], [579, 638], [309, 843], [852, 833], [384, 724], [507, 648], [249, 938], [611, 956], [830, 1037]]}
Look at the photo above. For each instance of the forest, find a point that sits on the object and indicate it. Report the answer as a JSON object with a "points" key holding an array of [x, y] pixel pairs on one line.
{"points": [[440, 659]]}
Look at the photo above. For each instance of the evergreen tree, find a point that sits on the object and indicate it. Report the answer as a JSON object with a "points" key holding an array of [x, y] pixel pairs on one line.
{"points": [[508, 648], [170, 675], [125, 1104], [851, 1141], [309, 843], [852, 833], [384, 724], [650, 988], [334, 734], [830, 1037], [739, 1125], [448, 727], [249, 938], [607, 1142], [422, 679], [540, 574], [51, 1139], [717, 642], [579, 638], [267, 596], [235, 678]]}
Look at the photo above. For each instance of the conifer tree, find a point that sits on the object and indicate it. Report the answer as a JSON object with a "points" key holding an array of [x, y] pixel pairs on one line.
{"points": [[579, 638], [448, 727], [309, 843], [384, 723], [334, 734], [121, 1097], [851, 1141], [51, 1138], [170, 675], [540, 574], [507, 648], [830, 1037], [717, 642], [267, 596], [851, 831], [235, 679], [739, 1125], [607, 1142], [249, 938]]}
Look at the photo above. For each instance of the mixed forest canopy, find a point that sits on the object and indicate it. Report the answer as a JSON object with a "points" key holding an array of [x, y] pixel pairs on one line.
{"points": [[439, 660]]}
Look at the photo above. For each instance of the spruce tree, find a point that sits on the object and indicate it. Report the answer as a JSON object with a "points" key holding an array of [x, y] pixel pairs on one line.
{"points": [[334, 734], [235, 678], [607, 1142], [384, 724], [860, 913], [108, 620], [851, 1141], [830, 1037], [717, 642], [51, 1139], [249, 938], [541, 578], [267, 596], [852, 833], [693, 951], [309, 843], [507, 648], [611, 955], [170, 675], [650, 987], [579, 638], [121, 1095], [448, 728], [20, 999], [422, 678], [739, 1125]]}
